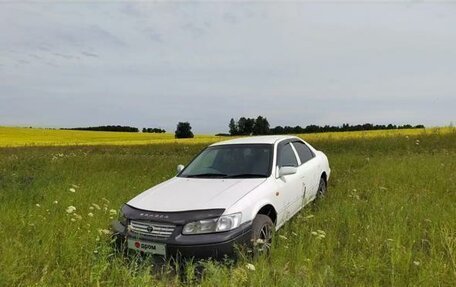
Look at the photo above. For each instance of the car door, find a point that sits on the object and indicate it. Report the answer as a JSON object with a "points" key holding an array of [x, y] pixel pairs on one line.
{"points": [[288, 187], [307, 171]]}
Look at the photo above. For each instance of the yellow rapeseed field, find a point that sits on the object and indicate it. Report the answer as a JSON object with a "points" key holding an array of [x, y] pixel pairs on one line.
{"points": [[377, 133], [17, 137]]}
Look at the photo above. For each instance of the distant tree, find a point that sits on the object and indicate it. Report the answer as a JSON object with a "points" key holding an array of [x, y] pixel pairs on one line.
{"points": [[144, 130], [242, 126], [183, 130], [249, 126], [233, 127], [278, 130], [245, 126], [261, 126]]}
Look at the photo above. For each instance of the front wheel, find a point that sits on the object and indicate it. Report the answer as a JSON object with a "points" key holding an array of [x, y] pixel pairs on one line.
{"points": [[322, 188], [262, 231]]}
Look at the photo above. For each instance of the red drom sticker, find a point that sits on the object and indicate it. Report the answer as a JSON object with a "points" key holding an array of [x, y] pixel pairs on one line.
{"points": [[137, 244]]}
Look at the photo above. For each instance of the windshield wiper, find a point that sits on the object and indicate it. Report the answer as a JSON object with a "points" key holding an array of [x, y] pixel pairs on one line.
{"points": [[207, 175], [246, 175]]}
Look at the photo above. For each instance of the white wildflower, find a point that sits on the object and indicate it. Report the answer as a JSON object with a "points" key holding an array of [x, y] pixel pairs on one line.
{"points": [[37, 205], [417, 263], [72, 219], [112, 212], [104, 231], [259, 241], [70, 209], [91, 208], [55, 202], [283, 237], [72, 189], [250, 267], [90, 214], [96, 206]]}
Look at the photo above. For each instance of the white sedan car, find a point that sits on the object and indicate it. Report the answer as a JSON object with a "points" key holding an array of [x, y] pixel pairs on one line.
{"points": [[236, 192]]}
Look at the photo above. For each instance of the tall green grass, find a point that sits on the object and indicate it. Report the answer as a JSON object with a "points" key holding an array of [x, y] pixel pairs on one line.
{"points": [[389, 218]]}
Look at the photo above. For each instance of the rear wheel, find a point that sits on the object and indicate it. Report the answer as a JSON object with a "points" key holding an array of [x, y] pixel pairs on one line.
{"points": [[262, 231], [322, 188]]}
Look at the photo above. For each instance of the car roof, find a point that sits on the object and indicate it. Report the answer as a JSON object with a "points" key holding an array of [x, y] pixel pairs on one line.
{"points": [[256, 140]]}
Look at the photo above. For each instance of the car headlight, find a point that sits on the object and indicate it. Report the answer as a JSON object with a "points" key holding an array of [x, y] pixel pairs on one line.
{"points": [[220, 224]]}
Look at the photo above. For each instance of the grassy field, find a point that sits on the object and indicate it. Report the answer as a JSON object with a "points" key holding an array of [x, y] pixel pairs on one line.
{"points": [[388, 219]]}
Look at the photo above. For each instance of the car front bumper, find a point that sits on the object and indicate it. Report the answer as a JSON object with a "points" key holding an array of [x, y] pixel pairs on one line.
{"points": [[198, 246]]}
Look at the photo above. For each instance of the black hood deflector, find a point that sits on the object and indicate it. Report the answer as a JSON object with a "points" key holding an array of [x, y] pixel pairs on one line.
{"points": [[176, 217]]}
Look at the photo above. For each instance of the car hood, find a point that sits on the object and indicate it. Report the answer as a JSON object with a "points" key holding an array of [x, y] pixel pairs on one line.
{"points": [[181, 194]]}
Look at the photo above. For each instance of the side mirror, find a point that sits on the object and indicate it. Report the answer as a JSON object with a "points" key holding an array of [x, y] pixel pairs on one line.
{"points": [[287, 170], [180, 168]]}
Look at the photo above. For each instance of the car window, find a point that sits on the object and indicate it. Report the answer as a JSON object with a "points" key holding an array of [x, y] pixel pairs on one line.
{"points": [[237, 160], [304, 152], [286, 156]]}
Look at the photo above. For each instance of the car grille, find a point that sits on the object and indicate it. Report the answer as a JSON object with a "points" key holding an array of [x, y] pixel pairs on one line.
{"points": [[152, 229]]}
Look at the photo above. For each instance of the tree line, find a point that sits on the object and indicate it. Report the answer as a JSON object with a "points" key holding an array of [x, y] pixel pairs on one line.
{"points": [[117, 128], [260, 126], [107, 129], [153, 130], [249, 126], [183, 129]]}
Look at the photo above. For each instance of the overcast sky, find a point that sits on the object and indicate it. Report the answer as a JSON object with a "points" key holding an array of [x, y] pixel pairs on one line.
{"points": [[154, 64]]}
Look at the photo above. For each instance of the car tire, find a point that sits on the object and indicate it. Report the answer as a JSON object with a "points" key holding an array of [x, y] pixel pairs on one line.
{"points": [[262, 232], [322, 188]]}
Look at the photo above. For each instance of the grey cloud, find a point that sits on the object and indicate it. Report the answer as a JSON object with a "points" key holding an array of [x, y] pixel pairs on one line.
{"points": [[65, 56], [154, 64], [34, 56], [89, 54]]}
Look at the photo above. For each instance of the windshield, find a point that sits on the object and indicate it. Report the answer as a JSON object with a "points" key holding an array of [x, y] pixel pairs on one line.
{"points": [[232, 161]]}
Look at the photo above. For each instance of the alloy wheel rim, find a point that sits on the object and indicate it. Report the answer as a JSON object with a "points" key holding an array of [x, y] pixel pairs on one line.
{"points": [[263, 243]]}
